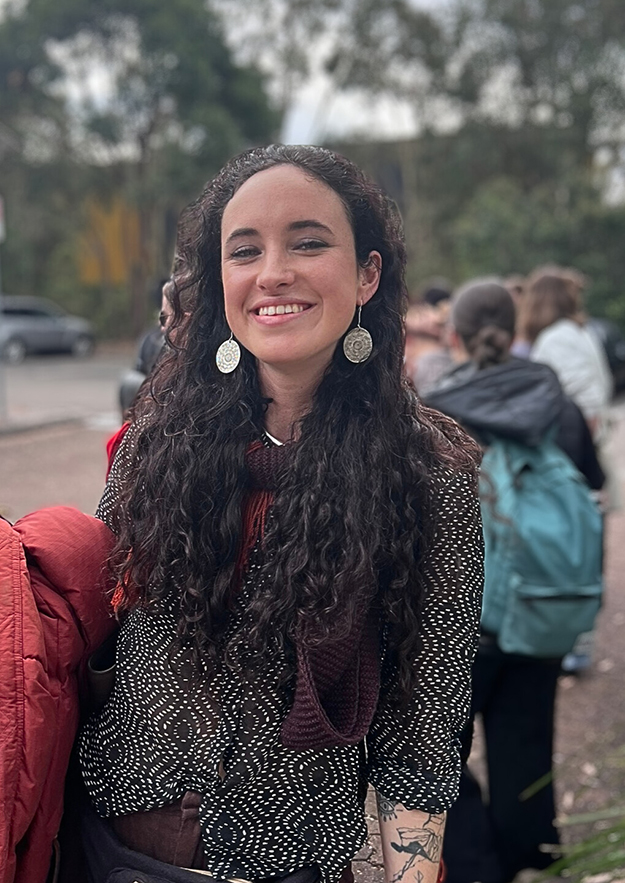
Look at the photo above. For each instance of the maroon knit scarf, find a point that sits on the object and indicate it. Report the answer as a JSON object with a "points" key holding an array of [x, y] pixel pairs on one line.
{"points": [[338, 681]]}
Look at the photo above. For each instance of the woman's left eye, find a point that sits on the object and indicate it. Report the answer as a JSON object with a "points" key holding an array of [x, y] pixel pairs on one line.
{"points": [[311, 244]]}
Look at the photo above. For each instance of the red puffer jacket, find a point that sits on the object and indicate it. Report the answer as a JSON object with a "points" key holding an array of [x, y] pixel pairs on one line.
{"points": [[53, 614]]}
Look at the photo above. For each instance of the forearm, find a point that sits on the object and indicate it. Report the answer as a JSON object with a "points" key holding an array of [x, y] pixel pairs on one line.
{"points": [[412, 842]]}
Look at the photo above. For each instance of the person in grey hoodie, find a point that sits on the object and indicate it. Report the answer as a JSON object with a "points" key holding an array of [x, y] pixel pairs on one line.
{"points": [[494, 394]]}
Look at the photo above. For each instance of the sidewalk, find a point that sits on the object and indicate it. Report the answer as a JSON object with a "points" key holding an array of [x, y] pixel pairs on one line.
{"points": [[58, 389]]}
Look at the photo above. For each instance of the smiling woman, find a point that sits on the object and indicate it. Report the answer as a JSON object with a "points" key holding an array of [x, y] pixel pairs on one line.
{"points": [[298, 553], [291, 283]]}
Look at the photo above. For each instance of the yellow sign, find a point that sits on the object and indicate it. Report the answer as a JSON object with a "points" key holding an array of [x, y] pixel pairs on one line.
{"points": [[109, 247]]}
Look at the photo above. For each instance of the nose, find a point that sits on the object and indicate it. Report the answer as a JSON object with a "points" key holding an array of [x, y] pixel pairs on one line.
{"points": [[275, 272]]}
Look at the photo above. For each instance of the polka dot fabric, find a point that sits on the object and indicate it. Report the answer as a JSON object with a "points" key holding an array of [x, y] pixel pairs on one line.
{"points": [[268, 810], [413, 754]]}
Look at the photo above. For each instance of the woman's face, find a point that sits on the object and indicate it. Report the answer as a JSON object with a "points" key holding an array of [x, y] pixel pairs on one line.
{"points": [[290, 275]]}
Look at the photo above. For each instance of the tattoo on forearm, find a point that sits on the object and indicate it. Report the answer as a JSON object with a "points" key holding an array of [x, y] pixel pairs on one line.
{"points": [[386, 808], [420, 843]]}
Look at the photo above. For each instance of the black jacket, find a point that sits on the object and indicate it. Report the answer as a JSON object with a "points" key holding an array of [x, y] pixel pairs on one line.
{"points": [[519, 400]]}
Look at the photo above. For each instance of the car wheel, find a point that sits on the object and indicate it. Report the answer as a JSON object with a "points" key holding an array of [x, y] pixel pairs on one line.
{"points": [[83, 346], [14, 351]]}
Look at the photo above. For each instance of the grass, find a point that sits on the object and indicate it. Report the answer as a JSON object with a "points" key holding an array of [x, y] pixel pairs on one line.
{"points": [[600, 855]]}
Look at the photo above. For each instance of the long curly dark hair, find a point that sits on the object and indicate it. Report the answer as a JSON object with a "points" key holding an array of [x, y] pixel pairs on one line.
{"points": [[356, 509]]}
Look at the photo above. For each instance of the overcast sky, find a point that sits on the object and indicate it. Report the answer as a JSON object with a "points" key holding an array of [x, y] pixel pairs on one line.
{"points": [[318, 113]]}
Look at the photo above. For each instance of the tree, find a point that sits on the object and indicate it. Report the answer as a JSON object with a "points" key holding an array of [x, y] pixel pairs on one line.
{"points": [[373, 46], [169, 105], [551, 64], [520, 107]]}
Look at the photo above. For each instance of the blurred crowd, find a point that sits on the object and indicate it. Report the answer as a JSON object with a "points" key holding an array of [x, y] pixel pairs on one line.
{"points": [[549, 327], [518, 364]]}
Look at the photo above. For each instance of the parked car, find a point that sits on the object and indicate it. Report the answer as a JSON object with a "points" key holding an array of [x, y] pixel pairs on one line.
{"points": [[613, 343], [37, 325]]}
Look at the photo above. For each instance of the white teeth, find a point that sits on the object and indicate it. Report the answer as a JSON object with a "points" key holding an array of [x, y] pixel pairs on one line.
{"points": [[280, 309]]}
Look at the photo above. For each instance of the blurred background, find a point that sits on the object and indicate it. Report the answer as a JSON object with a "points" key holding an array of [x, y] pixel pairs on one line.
{"points": [[497, 125]]}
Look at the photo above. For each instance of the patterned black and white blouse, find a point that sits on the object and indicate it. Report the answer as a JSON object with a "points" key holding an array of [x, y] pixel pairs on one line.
{"points": [[268, 810]]}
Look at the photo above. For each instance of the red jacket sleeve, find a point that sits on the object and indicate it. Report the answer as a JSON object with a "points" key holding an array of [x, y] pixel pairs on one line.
{"points": [[54, 612]]}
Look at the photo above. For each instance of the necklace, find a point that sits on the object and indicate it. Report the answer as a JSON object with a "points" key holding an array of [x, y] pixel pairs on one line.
{"points": [[273, 439]]}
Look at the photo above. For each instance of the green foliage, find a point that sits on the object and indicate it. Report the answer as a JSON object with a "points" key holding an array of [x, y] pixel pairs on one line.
{"points": [[597, 249], [534, 88], [171, 107], [603, 852], [505, 231]]}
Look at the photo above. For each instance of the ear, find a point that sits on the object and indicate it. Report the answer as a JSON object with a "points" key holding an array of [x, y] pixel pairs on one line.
{"points": [[369, 278]]}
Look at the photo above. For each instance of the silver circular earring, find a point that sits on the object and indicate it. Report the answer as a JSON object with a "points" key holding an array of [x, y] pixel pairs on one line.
{"points": [[228, 355], [357, 343]]}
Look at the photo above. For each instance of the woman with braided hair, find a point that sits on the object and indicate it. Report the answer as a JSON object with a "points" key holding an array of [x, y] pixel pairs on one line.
{"points": [[298, 555]]}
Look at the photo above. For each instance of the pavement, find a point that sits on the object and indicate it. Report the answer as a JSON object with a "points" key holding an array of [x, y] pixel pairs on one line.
{"points": [[590, 723], [61, 411], [48, 390], [71, 409]]}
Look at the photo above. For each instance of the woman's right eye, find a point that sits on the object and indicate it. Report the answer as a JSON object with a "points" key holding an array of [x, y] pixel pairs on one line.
{"points": [[245, 251]]}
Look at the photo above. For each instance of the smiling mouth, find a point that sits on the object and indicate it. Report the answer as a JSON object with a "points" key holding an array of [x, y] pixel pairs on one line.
{"points": [[281, 309]]}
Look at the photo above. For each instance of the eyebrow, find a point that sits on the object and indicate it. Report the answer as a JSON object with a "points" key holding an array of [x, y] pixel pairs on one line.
{"points": [[306, 224]]}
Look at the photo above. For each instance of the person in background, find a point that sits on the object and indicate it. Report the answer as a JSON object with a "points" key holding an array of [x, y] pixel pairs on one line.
{"points": [[299, 555], [152, 341], [438, 296], [150, 350], [515, 286], [494, 394], [553, 321], [427, 352]]}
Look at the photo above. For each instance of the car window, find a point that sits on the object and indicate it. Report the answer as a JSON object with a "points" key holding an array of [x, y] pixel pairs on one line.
{"points": [[30, 313], [24, 312]]}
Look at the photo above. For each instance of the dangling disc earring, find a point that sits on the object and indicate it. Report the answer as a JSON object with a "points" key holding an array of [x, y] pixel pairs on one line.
{"points": [[228, 355], [357, 343]]}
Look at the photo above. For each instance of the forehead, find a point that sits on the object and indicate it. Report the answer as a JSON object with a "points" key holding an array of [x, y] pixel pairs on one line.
{"points": [[280, 195]]}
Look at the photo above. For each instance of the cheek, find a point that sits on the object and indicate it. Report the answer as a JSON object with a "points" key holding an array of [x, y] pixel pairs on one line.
{"points": [[233, 293]]}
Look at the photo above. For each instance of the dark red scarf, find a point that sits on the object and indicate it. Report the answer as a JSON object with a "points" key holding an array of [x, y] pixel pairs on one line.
{"points": [[338, 682]]}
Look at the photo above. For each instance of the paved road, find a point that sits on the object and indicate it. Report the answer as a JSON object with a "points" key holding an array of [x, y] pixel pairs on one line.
{"points": [[59, 387], [66, 464]]}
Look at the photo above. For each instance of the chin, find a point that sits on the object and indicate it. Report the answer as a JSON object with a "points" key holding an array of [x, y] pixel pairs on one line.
{"points": [[294, 358]]}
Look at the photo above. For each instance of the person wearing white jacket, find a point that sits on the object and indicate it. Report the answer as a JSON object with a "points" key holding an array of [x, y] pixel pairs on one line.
{"points": [[554, 324]]}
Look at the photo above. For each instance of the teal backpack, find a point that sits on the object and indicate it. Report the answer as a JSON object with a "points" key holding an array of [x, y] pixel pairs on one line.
{"points": [[543, 559]]}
